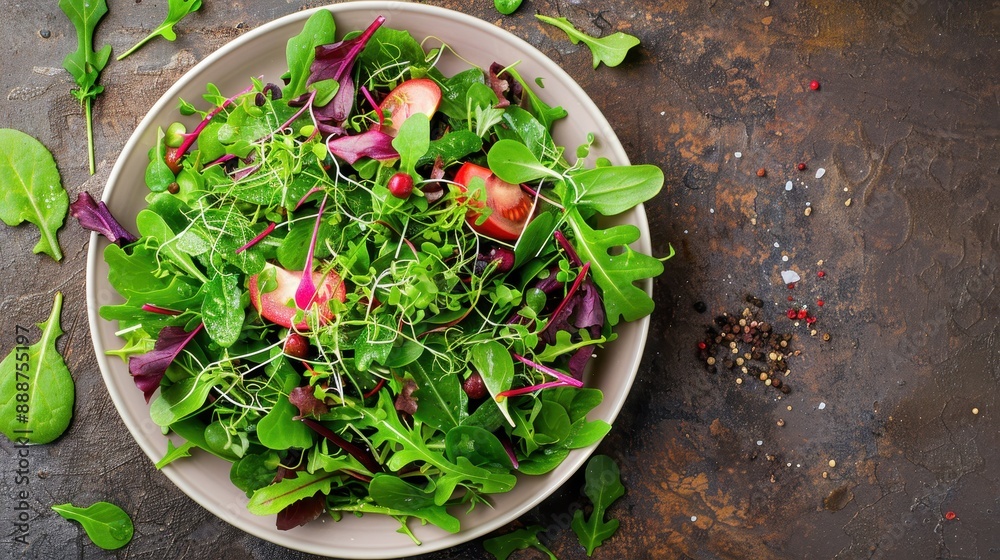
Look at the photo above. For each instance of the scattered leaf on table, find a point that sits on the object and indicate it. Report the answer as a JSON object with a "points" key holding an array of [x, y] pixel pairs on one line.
{"points": [[31, 189], [107, 525], [603, 487]]}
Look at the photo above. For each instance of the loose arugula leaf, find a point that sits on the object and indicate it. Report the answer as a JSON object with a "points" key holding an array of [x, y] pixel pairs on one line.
{"points": [[603, 487], [85, 64], [300, 51], [503, 546], [173, 453], [39, 374], [176, 11], [107, 525], [610, 50], [31, 189], [616, 274]]}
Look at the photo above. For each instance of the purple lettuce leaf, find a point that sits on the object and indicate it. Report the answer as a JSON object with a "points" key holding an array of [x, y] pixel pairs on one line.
{"points": [[304, 399], [333, 62], [404, 400], [301, 512], [147, 369], [371, 143], [96, 216]]}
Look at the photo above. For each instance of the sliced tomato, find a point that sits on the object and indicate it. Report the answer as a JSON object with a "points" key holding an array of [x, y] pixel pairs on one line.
{"points": [[278, 305], [419, 95], [511, 206]]}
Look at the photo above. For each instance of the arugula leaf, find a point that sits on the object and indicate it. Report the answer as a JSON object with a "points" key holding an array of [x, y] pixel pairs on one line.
{"points": [[616, 273], [603, 487], [392, 492], [107, 525], [173, 453], [39, 374], [85, 64], [31, 189], [545, 113], [610, 50], [503, 546], [176, 11]]}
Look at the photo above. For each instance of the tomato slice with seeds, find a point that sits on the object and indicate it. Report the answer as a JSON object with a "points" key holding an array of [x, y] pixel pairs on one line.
{"points": [[419, 95], [510, 205], [278, 305]]}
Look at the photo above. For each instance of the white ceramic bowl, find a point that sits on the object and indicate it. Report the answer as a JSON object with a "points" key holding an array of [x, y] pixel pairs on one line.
{"points": [[261, 52]]}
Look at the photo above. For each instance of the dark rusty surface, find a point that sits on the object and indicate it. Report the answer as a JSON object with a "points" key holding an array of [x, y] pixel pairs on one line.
{"points": [[906, 125]]}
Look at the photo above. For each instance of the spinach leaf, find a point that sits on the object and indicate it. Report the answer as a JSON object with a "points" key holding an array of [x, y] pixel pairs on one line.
{"points": [[181, 400], [36, 386], [253, 472], [31, 189], [412, 142], [455, 92], [107, 525], [85, 64], [176, 10], [392, 492], [495, 365], [300, 51], [153, 225], [513, 162], [479, 446], [441, 401], [615, 189], [221, 310], [603, 487], [159, 176], [503, 546], [279, 429], [610, 50], [451, 147]]}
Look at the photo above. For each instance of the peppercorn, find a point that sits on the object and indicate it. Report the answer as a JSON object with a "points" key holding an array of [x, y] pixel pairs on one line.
{"points": [[761, 172], [801, 167]]}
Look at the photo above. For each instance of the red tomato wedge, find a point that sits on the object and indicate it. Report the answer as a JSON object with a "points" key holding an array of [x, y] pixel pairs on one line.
{"points": [[278, 305], [511, 206], [419, 95]]}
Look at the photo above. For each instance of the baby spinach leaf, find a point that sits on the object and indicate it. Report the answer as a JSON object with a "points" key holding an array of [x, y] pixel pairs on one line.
{"points": [[392, 492], [513, 162], [603, 487], [585, 434], [107, 525], [615, 274], [152, 225], [252, 473], [455, 92], [441, 402], [31, 189], [615, 189], [176, 10], [300, 51], [221, 310], [36, 386], [412, 142], [503, 546], [543, 460], [495, 365], [85, 64], [520, 124], [158, 175], [451, 147], [279, 429], [181, 400], [610, 50], [479, 446]]}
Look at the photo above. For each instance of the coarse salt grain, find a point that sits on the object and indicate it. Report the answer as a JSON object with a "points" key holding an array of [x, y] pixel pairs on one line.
{"points": [[711, 210], [776, 244], [788, 186], [694, 518], [760, 442], [790, 276], [822, 405], [784, 258], [738, 154], [820, 172]]}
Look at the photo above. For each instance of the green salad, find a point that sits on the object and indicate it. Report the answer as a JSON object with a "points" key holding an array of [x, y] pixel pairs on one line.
{"points": [[373, 287]]}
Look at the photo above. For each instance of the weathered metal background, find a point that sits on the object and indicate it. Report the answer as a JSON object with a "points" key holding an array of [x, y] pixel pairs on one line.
{"points": [[906, 125]]}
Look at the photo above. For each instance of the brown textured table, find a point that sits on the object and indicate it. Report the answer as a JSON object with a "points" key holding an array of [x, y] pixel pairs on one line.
{"points": [[906, 126]]}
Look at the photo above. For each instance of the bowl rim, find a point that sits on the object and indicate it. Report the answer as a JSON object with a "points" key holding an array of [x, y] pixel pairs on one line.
{"points": [[611, 144]]}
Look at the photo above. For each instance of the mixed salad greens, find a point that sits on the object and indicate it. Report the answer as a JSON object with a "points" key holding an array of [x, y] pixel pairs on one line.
{"points": [[374, 288]]}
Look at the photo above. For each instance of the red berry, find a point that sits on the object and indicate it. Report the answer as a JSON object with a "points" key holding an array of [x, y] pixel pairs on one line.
{"points": [[791, 314], [821, 274], [820, 302], [801, 167], [810, 320], [802, 314], [814, 85], [702, 345], [791, 286], [474, 386], [296, 346], [400, 185], [950, 515]]}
